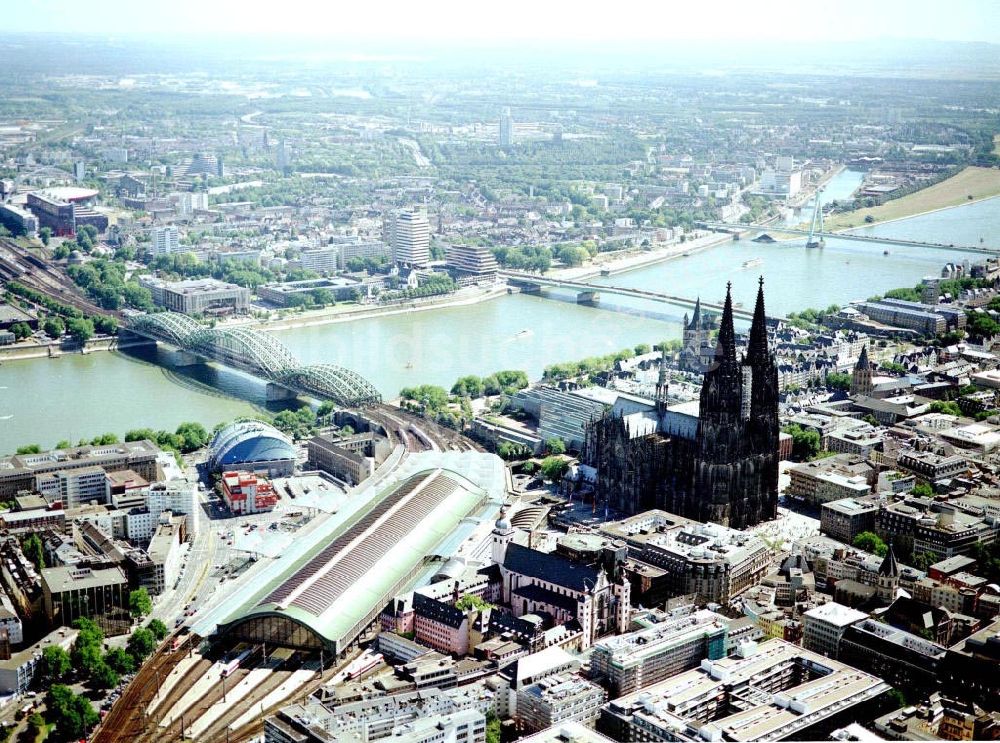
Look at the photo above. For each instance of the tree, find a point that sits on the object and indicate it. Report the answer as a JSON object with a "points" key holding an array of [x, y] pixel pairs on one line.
{"points": [[469, 386], [158, 628], [120, 661], [805, 442], [20, 330], [140, 644], [553, 468], [72, 715], [922, 490], [80, 329], [104, 676], [194, 436], [55, 664], [642, 348], [838, 381], [871, 542], [948, 407], [34, 551], [139, 603], [470, 601], [53, 327], [507, 451], [555, 445], [45, 234], [492, 728], [86, 651], [29, 449], [36, 724], [572, 255], [511, 380]]}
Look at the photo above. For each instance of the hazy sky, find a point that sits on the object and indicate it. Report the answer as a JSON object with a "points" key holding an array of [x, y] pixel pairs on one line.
{"points": [[503, 20]]}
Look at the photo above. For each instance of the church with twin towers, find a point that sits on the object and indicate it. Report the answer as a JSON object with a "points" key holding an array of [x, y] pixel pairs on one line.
{"points": [[714, 459]]}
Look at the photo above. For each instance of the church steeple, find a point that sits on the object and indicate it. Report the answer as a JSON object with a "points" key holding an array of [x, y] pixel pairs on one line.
{"points": [[758, 350], [863, 376], [863, 363], [888, 577], [725, 350], [661, 382], [696, 317]]}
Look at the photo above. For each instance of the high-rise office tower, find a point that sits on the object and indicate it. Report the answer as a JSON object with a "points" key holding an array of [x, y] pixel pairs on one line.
{"points": [[411, 238], [506, 128]]}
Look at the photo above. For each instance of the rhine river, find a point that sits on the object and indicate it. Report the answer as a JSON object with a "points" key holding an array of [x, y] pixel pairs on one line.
{"points": [[76, 396]]}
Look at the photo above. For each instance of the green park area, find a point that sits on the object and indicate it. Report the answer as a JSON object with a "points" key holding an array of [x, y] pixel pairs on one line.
{"points": [[971, 184]]}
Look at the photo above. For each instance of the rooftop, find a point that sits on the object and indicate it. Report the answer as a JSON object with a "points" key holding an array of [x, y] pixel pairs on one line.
{"points": [[72, 578], [836, 614], [674, 705], [334, 574]]}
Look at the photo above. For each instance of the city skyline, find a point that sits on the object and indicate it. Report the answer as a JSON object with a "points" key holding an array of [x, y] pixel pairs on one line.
{"points": [[771, 20]]}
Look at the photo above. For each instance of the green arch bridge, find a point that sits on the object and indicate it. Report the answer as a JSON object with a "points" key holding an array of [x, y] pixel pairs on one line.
{"points": [[259, 354]]}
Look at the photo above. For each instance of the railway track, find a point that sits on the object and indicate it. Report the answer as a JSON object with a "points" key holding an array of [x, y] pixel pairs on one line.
{"points": [[17, 264], [418, 434], [126, 720]]}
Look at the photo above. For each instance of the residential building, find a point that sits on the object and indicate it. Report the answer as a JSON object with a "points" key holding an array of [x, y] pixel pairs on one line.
{"points": [[19, 221], [904, 660], [245, 492], [529, 670], [632, 661], [351, 247], [176, 496], [432, 715], [844, 519], [164, 240], [10, 622], [567, 732], [76, 487], [18, 672], [321, 260], [709, 561], [19, 472], [556, 699], [829, 479], [824, 626], [773, 691]]}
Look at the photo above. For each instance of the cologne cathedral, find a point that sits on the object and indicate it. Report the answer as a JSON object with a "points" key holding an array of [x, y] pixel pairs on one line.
{"points": [[712, 460]]}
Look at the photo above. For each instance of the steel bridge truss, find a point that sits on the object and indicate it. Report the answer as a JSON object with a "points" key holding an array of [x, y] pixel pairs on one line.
{"points": [[258, 353]]}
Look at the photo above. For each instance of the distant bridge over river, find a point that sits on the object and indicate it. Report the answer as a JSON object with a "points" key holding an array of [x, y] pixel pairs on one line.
{"points": [[588, 293], [257, 353], [738, 229]]}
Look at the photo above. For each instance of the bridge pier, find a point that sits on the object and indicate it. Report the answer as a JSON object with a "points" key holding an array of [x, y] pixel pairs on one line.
{"points": [[276, 392], [180, 358], [588, 297]]}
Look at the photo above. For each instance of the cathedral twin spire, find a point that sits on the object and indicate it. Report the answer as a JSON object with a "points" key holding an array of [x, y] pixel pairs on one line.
{"points": [[758, 350]]}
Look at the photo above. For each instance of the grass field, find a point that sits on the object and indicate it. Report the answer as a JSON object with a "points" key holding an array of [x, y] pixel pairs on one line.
{"points": [[979, 183]]}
